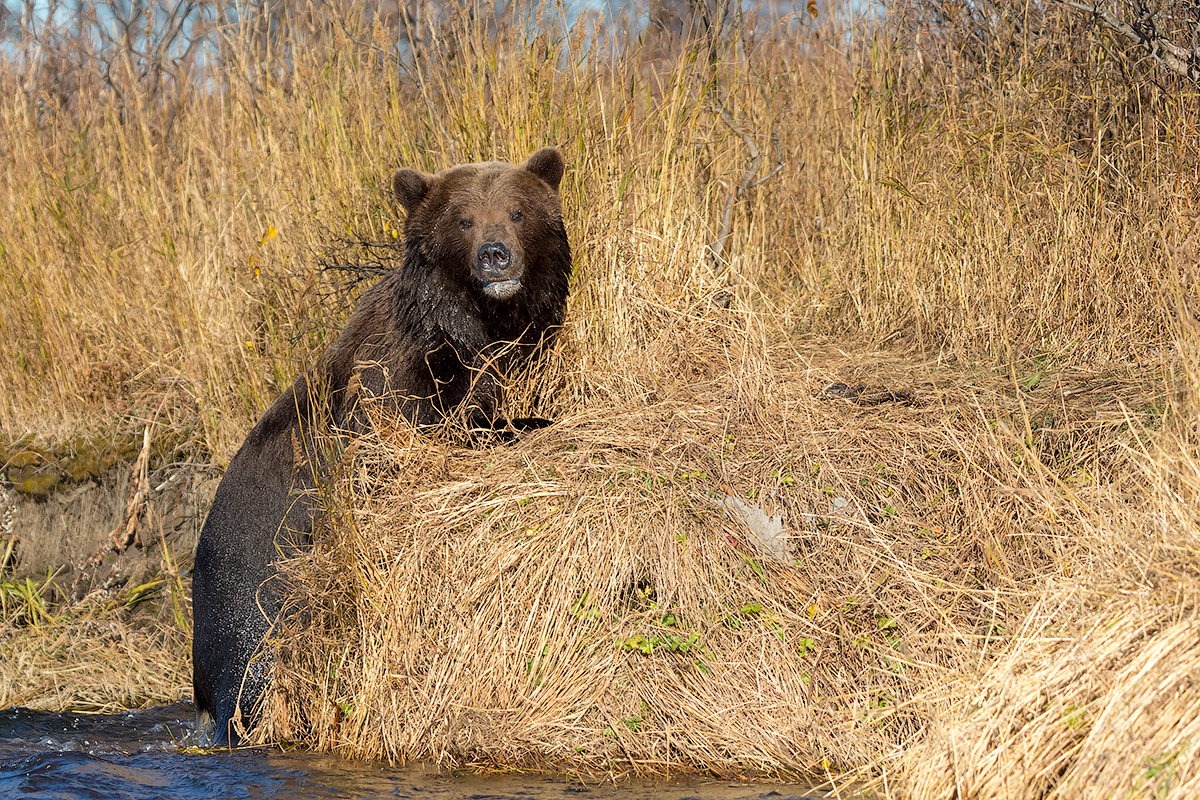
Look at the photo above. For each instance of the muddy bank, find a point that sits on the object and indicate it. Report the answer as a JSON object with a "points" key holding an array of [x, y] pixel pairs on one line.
{"points": [[87, 625], [102, 534]]}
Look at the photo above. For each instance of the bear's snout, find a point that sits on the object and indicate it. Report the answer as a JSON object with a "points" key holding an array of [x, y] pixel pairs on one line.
{"points": [[500, 275], [493, 257]]}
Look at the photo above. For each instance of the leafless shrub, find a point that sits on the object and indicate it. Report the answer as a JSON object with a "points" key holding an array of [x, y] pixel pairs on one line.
{"points": [[143, 53]]}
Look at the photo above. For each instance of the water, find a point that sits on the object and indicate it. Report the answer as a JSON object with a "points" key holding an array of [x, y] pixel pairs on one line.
{"points": [[139, 755]]}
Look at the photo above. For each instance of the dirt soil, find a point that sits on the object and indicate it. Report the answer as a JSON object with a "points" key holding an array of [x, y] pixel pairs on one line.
{"points": [[88, 626], [70, 531]]}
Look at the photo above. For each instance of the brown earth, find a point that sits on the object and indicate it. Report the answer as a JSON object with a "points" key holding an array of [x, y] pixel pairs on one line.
{"points": [[86, 625]]}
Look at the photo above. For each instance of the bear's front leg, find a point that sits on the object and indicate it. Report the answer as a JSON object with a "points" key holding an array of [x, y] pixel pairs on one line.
{"points": [[481, 405]]}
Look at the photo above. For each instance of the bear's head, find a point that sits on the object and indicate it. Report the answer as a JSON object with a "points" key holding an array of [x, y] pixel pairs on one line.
{"points": [[486, 224]]}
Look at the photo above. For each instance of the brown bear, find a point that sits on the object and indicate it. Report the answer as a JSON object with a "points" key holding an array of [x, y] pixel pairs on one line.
{"points": [[482, 285]]}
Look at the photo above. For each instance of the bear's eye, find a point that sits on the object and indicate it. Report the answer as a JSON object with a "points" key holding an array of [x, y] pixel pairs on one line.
{"points": [[517, 215], [465, 224]]}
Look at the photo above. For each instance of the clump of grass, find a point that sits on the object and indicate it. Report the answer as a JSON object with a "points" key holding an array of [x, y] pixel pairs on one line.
{"points": [[107, 652], [582, 600]]}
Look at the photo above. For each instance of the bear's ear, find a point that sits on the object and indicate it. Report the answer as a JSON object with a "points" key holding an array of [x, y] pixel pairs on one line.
{"points": [[410, 187], [547, 164]]}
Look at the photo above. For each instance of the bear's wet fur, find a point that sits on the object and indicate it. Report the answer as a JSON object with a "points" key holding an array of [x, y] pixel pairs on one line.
{"points": [[482, 284]]}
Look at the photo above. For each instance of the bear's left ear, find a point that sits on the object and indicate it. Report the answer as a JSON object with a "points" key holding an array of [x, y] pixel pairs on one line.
{"points": [[547, 164], [410, 187]]}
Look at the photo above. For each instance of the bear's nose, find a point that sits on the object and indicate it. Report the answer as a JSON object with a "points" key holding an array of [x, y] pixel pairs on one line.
{"points": [[494, 257]]}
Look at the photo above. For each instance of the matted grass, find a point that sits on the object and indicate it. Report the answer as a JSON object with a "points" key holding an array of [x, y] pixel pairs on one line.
{"points": [[1097, 695], [583, 599], [1104, 705]]}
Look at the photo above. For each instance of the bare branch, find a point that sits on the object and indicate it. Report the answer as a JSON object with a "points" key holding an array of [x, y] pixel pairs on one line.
{"points": [[748, 180], [1144, 33]]}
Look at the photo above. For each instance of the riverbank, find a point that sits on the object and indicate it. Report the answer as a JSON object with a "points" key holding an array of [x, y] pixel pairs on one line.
{"points": [[741, 576], [947, 549]]}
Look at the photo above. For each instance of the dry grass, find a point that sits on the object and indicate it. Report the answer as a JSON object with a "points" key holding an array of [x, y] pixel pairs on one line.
{"points": [[1097, 694], [1103, 707], [988, 593], [581, 600], [109, 652], [176, 272]]}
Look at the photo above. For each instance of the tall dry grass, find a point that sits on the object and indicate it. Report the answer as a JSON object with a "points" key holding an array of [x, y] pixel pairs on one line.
{"points": [[145, 261], [1010, 240]]}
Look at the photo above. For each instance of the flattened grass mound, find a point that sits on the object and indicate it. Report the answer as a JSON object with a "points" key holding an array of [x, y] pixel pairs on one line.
{"points": [[1099, 694], [590, 599]]}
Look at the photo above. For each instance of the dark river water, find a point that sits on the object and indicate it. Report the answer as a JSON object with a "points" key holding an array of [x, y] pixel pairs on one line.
{"points": [[139, 754]]}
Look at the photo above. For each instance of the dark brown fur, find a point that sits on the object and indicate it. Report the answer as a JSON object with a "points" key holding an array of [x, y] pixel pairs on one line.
{"points": [[483, 282]]}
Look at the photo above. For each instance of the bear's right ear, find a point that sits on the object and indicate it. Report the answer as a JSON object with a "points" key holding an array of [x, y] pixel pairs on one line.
{"points": [[410, 187]]}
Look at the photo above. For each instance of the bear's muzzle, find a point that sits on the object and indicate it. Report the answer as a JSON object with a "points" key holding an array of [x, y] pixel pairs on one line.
{"points": [[494, 261]]}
